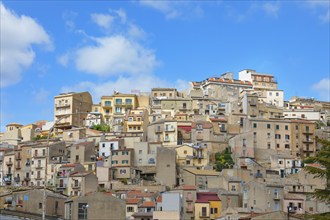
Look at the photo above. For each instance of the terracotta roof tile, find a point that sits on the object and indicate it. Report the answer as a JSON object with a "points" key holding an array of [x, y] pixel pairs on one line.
{"points": [[133, 200], [148, 204]]}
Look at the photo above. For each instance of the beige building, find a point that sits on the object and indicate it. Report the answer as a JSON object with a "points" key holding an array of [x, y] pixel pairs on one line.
{"points": [[82, 152], [8, 167], [71, 109], [81, 183], [260, 81], [95, 206], [202, 179], [114, 108], [62, 176], [122, 163], [165, 131], [166, 172], [16, 133], [195, 156], [136, 120], [32, 201], [263, 196]]}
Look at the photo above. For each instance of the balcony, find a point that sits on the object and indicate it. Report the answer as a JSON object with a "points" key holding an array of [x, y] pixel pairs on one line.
{"points": [[18, 167], [258, 175], [27, 179], [308, 150], [189, 199], [307, 132], [276, 197], [39, 155], [308, 141], [63, 186], [39, 166], [189, 210], [17, 179], [158, 130], [123, 104], [75, 186], [62, 105], [134, 123], [19, 157], [38, 178], [7, 179], [203, 215], [166, 139], [9, 163], [169, 129]]}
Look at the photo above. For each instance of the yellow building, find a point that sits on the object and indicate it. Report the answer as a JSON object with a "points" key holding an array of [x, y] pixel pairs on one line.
{"points": [[207, 206], [71, 109], [191, 156], [136, 120], [113, 108]]}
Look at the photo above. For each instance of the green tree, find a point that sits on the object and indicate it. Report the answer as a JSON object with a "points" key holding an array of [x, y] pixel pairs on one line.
{"points": [[101, 127], [322, 157], [223, 160]]}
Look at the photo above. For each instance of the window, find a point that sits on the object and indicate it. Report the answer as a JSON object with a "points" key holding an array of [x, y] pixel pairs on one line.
{"points": [[107, 111], [40, 205], [233, 188], [122, 171], [119, 101], [107, 103], [140, 151], [128, 101], [215, 210], [118, 109], [277, 127], [277, 94], [268, 126], [287, 146], [268, 145], [268, 135], [211, 210], [103, 145], [77, 158], [43, 152], [278, 145], [140, 160], [82, 211], [286, 127], [277, 136], [254, 125], [130, 209], [287, 137]]}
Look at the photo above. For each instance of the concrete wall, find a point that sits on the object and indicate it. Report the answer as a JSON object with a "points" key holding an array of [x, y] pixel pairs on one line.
{"points": [[166, 166]]}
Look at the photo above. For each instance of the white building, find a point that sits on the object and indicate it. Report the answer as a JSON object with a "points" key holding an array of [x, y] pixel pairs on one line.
{"points": [[307, 114], [93, 118], [105, 147]]}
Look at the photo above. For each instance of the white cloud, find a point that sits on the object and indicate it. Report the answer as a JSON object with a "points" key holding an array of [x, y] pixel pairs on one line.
{"points": [[320, 7], [103, 20], [142, 82], [323, 88], [40, 96], [18, 34], [166, 7], [271, 8], [122, 15], [64, 59], [115, 55]]}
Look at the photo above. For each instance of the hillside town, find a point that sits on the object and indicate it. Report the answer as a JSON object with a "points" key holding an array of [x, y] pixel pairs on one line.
{"points": [[225, 149]]}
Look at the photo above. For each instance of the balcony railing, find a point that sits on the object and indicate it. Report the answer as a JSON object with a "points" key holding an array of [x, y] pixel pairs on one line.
{"points": [[203, 214], [308, 141], [75, 185], [169, 129], [27, 178], [39, 166], [166, 139], [189, 210], [19, 157], [17, 179], [38, 155], [38, 178], [307, 132], [9, 163], [63, 186]]}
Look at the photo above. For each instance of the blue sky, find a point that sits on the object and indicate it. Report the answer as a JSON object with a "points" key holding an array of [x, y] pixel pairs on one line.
{"points": [[101, 46]]}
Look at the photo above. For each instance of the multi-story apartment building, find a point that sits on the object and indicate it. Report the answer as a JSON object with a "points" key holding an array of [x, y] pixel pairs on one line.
{"points": [[8, 167], [196, 156], [38, 165], [122, 162], [114, 108], [107, 146], [81, 183], [260, 81], [71, 109], [82, 152], [136, 120], [224, 88], [271, 200], [62, 176], [163, 130], [303, 138]]}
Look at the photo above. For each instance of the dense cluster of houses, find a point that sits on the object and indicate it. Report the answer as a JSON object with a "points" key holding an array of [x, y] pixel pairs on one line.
{"points": [[153, 155]]}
